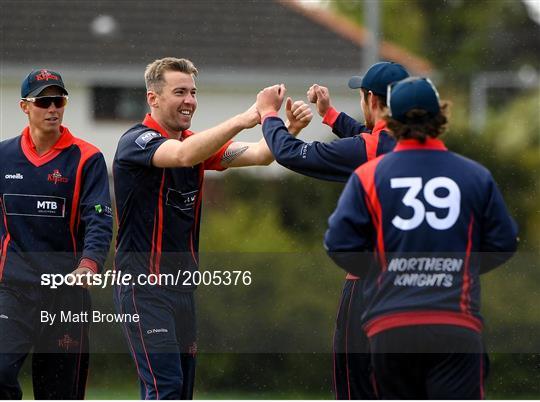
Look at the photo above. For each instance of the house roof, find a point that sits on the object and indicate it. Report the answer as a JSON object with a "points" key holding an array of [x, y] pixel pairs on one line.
{"points": [[220, 35]]}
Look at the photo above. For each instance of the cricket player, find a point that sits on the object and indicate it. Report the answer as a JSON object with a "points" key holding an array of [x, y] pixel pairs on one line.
{"points": [[56, 220], [421, 224], [335, 161], [158, 178]]}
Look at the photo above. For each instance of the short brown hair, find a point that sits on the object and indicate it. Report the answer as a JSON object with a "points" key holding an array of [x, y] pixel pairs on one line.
{"points": [[419, 124], [153, 75]]}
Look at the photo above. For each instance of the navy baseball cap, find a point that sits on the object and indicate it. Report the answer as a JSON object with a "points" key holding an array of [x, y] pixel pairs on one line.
{"points": [[412, 93], [378, 77], [38, 80]]}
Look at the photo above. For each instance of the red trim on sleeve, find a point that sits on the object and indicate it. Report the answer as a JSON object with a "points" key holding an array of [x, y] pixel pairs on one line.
{"points": [[267, 115], [366, 175], [88, 263], [330, 117], [214, 162], [351, 277], [465, 299], [431, 143], [87, 151], [28, 147], [412, 318]]}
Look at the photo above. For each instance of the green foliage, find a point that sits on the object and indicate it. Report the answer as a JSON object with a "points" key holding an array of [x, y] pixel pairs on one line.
{"points": [[459, 37]]}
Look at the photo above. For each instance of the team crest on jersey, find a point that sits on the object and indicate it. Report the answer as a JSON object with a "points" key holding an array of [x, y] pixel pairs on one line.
{"points": [[67, 343], [56, 177]]}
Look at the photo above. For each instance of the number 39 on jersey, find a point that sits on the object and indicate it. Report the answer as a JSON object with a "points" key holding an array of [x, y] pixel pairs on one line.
{"points": [[414, 185]]}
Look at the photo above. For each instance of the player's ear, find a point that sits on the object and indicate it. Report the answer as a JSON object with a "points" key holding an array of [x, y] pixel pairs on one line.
{"points": [[24, 106], [151, 99], [373, 100]]}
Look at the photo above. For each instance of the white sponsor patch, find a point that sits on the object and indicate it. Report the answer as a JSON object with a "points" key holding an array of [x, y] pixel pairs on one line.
{"points": [[5, 317], [143, 139]]}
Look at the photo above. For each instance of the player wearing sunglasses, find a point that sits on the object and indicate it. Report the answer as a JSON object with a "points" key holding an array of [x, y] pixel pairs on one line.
{"points": [[56, 219]]}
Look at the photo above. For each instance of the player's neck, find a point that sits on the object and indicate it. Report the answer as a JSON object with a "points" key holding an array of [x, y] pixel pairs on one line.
{"points": [[44, 140], [172, 133]]}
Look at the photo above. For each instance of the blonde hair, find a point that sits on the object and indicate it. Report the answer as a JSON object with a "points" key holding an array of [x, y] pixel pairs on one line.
{"points": [[153, 75]]}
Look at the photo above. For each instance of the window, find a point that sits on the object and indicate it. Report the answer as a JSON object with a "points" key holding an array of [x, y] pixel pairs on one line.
{"points": [[119, 103]]}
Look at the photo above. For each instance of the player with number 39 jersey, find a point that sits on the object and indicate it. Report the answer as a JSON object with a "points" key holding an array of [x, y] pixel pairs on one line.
{"points": [[435, 221]]}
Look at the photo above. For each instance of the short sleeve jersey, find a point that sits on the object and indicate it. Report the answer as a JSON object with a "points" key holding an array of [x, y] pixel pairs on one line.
{"points": [[158, 209]]}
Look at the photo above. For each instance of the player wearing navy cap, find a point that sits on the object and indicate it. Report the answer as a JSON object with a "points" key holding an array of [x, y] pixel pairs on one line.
{"points": [[56, 219], [158, 177], [335, 161], [421, 224]]}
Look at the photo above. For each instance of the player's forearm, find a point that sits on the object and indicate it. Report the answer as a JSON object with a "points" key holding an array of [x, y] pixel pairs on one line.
{"points": [[264, 155], [201, 146]]}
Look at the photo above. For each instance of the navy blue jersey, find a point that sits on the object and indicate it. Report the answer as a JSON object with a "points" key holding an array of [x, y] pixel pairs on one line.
{"points": [[428, 214], [333, 161], [342, 124], [55, 208], [158, 210]]}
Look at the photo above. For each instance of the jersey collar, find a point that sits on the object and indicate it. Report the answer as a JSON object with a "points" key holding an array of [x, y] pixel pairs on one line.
{"points": [[65, 140], [378, 127], [411, 144], [29, 148]]}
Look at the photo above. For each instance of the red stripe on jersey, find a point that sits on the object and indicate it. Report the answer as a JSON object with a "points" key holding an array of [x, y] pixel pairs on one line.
{"points": [[465, 300], [197, 212], [412, 318], [153, 247], [351, 277], [28, 147], [372, 140], [87, 151], [366, 175], [5, 243], [159, 233]]}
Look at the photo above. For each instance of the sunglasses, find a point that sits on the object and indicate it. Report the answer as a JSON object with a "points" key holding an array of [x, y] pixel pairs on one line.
{"points": [[45, 101]]}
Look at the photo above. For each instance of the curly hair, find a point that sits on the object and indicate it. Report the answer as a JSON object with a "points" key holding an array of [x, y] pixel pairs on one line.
{"points": [[419, 125]]}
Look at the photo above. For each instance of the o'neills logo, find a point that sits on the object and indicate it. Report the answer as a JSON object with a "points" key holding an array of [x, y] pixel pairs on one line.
{"points": [[14, 176], [56, 177], [44, 75]]}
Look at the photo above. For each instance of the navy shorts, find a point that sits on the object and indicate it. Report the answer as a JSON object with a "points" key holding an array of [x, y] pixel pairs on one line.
{"points": [[428, 362], [163, 343], [351, 346], [60, 351]]}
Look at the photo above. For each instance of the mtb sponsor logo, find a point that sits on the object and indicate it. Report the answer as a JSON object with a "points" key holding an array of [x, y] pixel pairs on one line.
{"points": [[67, 342], [157, 331], [14, 176], [44, 75], [3, 316], [56, 177], [143, 139], [47, 205]]}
